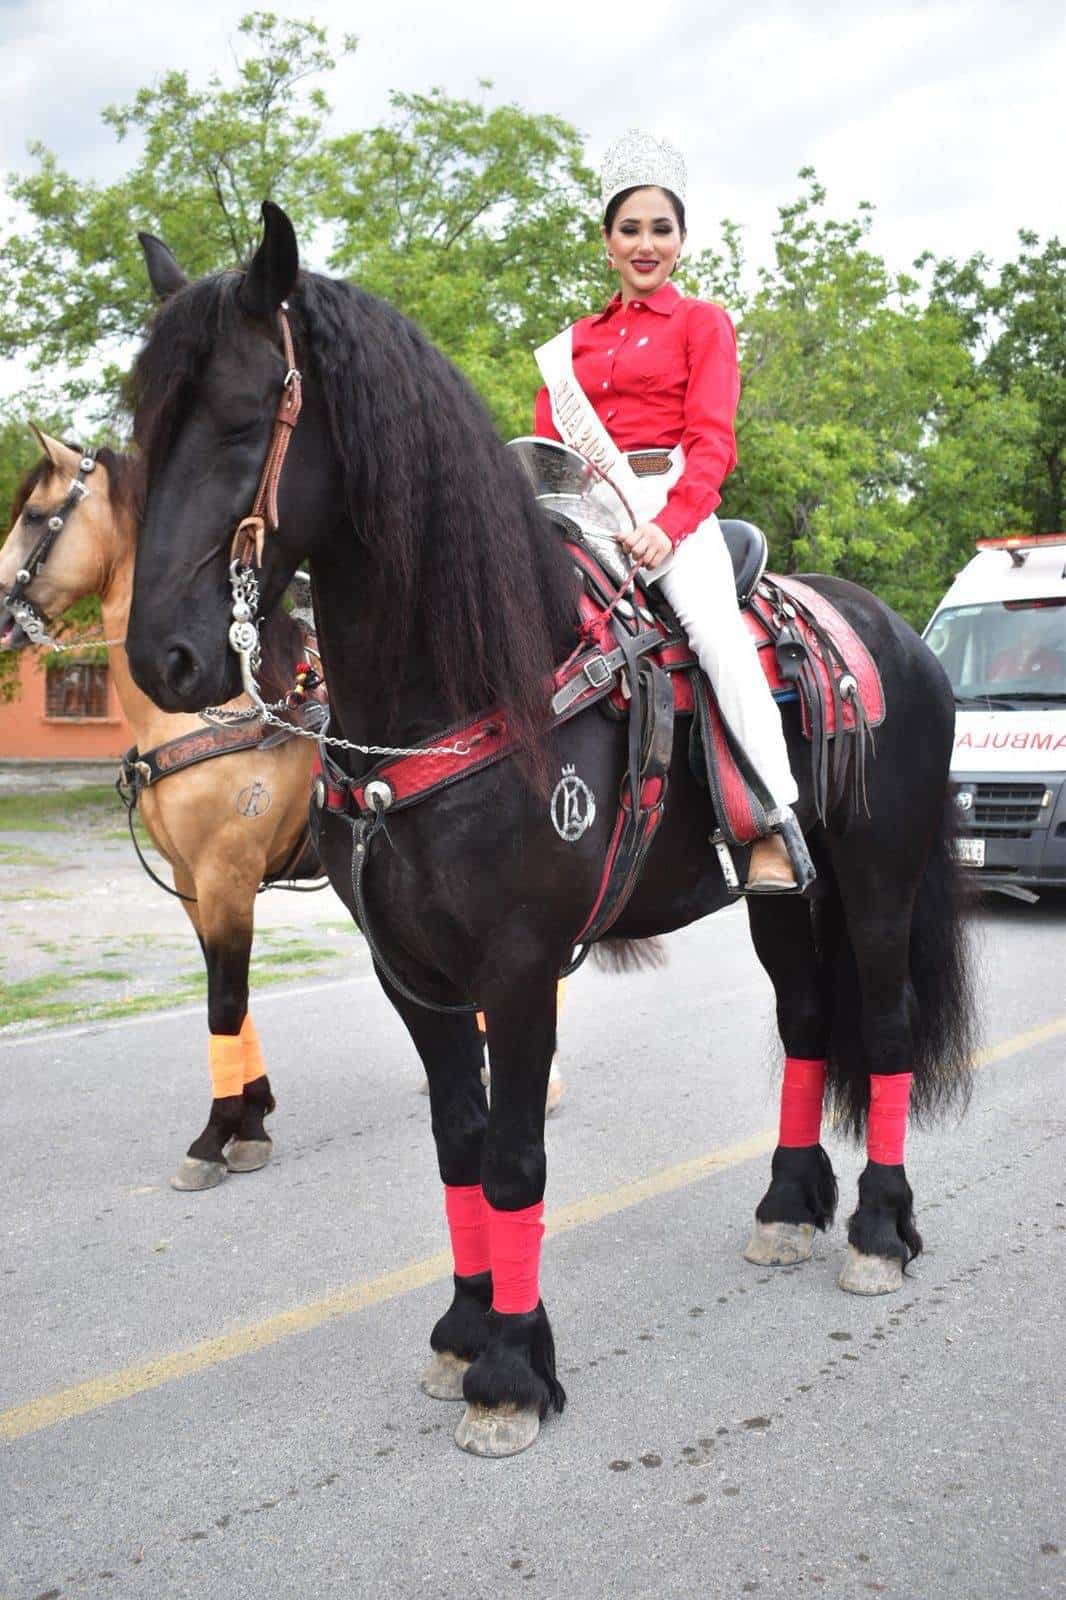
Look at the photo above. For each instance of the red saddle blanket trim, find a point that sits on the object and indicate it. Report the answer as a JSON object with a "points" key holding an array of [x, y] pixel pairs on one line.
{"points": [[484, 740]]}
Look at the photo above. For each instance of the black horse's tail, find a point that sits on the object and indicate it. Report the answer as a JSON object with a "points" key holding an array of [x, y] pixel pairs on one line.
{"points": [[941, 993]]}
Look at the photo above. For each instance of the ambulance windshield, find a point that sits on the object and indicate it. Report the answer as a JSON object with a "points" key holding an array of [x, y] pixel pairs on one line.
{"points": [[1003, 651]]}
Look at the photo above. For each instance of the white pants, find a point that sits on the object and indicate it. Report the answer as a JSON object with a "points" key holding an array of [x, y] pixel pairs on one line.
{"points": [[698, 582]]}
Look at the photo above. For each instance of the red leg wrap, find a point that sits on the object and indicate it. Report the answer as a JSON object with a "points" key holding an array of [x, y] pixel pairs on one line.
{"points": [[515, 1246], [886, 1128], [801, 1102], [468, 1224]]}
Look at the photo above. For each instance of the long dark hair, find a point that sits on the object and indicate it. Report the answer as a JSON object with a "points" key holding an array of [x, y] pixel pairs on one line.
{"points": [[457, 548]]}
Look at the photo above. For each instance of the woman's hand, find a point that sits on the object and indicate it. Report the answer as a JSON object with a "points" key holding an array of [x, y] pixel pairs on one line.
{"points": [[648, 544]]}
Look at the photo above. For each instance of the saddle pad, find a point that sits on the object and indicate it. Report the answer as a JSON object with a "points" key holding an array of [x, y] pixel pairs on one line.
{"points": [[676, 657], [760, 618]]}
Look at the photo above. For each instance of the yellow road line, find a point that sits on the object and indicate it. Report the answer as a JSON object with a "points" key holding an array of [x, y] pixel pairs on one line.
{"points": [[112, 1387]]}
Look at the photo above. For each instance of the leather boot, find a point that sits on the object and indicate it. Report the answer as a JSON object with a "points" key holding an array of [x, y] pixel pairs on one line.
{"points": [[770, 868]]}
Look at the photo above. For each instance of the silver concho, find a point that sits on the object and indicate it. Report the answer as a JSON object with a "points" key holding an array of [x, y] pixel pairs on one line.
{"points": [[573, 806]]}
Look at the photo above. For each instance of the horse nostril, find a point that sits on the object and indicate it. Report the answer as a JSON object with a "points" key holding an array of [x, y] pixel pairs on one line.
{"points": [[182, 670]]}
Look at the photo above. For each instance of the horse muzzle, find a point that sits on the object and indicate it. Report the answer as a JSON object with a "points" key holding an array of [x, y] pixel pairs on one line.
{"points": [[175, 675]]}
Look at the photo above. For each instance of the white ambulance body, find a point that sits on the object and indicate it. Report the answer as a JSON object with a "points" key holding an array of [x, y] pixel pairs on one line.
{"points": [[1000, 635]]}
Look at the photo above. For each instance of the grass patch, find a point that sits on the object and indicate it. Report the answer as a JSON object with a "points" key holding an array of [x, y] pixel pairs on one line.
{"points": [[20, 856], [9, 895], [292, 956], [30, 1000], [51, 813], [20, 1008]]}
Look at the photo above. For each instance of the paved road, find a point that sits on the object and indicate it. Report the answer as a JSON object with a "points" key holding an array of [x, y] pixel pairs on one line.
{"points": [[730, 1431]]}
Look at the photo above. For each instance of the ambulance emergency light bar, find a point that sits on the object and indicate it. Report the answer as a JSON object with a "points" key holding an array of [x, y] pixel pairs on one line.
{"points": [[1019, 544]]}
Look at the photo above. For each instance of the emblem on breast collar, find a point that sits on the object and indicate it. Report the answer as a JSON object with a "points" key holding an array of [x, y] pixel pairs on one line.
{"points": [[573, 806]]}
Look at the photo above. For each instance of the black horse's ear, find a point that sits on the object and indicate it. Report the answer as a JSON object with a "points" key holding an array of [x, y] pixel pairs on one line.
{"points": [[163, 271], [272, 274]]}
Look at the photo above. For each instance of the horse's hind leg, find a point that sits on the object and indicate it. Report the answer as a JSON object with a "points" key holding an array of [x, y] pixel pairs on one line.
{"points": [[803, 1192], [241, 1094], [882, 1236]]}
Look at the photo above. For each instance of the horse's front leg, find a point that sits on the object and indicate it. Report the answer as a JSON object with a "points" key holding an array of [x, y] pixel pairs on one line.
{"points": [[451, 1052], [241, 1093], [512, 1384]]}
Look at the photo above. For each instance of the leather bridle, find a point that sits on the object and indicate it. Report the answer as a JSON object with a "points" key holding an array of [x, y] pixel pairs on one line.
{"points": [[32, 621], [251, 530]]}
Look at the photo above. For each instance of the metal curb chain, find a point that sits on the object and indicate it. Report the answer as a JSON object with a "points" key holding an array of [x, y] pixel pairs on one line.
{"points": [[244, 641], [35, 628]]}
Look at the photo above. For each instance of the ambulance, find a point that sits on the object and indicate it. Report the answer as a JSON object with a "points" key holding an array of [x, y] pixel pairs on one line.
{"points": [[1000, 635]]}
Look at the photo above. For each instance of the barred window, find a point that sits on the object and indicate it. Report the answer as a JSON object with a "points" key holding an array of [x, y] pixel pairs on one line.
{"points": [[78, 690]]}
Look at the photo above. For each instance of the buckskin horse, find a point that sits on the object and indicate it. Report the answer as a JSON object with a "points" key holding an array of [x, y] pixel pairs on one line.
{"points": [[445, 601], [224, 825]]}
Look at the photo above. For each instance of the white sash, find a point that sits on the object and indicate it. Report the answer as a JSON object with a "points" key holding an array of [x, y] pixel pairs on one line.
{"points": [[577, 422]]}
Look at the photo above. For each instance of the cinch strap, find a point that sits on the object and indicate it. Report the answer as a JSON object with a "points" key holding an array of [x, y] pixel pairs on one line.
{"points": [[802, 1090], [251, 1055], [468, 1224], [886, 1129], [225, 1057], [514, 1241]]}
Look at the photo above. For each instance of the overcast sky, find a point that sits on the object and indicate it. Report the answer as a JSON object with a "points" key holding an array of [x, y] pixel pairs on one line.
{"points": [[947, 115]]}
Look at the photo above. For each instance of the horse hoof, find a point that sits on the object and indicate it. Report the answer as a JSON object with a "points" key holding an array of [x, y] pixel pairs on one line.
{"points": [[248, 1155], [196, 1174], [497, 1430], [443, 1378], [870, 1274], [780, 1244], [556, 1090]]}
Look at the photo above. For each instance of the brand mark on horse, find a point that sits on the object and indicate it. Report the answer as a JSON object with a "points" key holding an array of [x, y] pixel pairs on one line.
{"points": [[254, 799], [573, 806]]}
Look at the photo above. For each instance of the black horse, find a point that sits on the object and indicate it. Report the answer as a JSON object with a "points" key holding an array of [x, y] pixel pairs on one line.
{"points": [[441, 591]]}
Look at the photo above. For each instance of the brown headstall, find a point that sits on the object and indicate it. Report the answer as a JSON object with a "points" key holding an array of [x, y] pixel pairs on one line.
{"points": [[252, 529]]}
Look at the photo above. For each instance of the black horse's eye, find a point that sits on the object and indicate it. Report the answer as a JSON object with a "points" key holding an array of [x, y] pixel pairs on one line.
{"points": [[33, 518]]}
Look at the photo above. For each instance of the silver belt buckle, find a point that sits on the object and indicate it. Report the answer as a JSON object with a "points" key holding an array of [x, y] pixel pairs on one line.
{"points": [[597, 672]]}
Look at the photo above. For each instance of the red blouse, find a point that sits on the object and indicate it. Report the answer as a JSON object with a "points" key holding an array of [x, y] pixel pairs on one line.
{"points": [[660, 372]]}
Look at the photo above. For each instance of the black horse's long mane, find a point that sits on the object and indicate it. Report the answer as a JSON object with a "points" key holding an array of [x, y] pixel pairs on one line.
{"points": [[458, 554]]}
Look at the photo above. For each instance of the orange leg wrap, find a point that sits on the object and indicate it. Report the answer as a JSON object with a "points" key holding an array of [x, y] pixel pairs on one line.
{"points": [[225, 1057], [251, 1055]]}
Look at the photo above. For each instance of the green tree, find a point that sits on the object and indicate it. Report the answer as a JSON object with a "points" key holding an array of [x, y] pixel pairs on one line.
{"points": [[73, 277], [479, 222], [860, 404], [1015, 323]]}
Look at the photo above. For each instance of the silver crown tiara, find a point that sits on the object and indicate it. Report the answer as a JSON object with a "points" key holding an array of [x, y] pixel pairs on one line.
{"points": [[640, 161]]}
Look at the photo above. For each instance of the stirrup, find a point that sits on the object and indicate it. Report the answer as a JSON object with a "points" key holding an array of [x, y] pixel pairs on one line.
{"points": [[785, 823]]}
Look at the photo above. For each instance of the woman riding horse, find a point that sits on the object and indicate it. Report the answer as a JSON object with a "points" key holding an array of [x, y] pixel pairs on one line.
{"points": [[653, 380], [444, 606]]}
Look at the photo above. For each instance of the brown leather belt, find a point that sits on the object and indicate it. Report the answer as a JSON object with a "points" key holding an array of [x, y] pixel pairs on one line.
{"points": [[650, 463]]}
